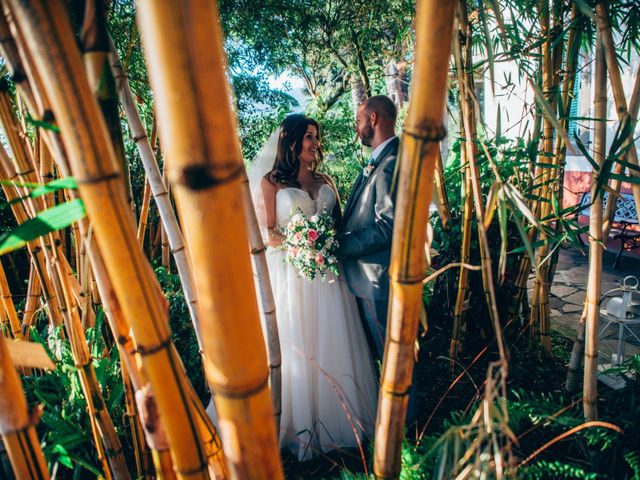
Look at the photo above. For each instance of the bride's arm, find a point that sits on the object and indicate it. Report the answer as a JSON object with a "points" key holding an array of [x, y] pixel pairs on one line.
{"points": [[269, 191]]}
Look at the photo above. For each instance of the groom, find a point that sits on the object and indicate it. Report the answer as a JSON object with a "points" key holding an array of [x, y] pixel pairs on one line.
{"points": [[367, 226]]}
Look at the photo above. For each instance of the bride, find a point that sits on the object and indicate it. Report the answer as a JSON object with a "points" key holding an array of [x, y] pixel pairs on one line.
{"points": [[329, 388]]}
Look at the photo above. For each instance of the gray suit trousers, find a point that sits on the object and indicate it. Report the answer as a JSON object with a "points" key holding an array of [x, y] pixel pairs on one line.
{"points": [[374, 319]]}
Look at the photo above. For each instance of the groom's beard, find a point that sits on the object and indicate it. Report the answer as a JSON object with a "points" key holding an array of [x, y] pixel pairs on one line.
{"points": [[366, 135]]}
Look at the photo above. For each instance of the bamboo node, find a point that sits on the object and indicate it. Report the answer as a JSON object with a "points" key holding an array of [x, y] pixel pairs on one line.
{"points": [[192, 472], [428, 131], [98, 179], [241, 395], [146, 351], [199, 177], [113, 452], [395, 393]]}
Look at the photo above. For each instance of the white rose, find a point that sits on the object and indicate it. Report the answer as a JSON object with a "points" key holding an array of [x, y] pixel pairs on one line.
{"points": [[314, 218]]}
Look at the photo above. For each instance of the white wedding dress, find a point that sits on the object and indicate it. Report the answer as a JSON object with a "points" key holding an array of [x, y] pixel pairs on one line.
{"points": [[329, 389]]}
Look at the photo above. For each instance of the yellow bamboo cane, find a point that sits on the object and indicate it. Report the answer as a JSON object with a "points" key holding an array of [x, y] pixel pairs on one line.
{"points": [[47, 35], [17, 429], [205, 169], [625, 114], [144, 213], [9, 307], [590, 388], [60, 279], [266, 303], [444, 207], [32, 300], [95, 42], [35, 249], [170, 228], [539, 317], [9, 52], [560, 147], [423, 131], [467, 212]]}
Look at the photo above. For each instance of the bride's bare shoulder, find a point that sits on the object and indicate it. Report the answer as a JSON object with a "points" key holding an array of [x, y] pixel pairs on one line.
{"points": [[268, 184]]}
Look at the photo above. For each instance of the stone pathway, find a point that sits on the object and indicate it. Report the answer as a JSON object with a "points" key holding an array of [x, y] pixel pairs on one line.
{"points": [[568, 293]]}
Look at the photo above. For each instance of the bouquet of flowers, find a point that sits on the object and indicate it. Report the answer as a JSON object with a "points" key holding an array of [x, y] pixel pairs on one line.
{"points": [[310, 245]]}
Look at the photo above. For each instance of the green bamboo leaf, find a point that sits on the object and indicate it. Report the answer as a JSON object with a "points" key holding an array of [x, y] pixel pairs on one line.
{"points": [[624, 178], [548, 113], [68, 183], [47, 221], [38, 189], [528, 247], [521, 205], [627, 164], [586, 154], [42, 124]]}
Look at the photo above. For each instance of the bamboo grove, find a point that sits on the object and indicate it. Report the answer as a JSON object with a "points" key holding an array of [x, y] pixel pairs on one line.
{"points": [[71, 119]]}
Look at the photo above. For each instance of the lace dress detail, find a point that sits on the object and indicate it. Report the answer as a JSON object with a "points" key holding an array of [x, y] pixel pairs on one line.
{"points": [[329, 389]]}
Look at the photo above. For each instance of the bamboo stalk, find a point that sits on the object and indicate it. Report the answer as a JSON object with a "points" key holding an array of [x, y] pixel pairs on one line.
{"points": [[128, 353], [105, 432], [624, 114], [540, 312], [575, 360], [95, 41], [206, 170], [419, 150], [9, 307], [444, 207], [590, 392], [160, 194], [32, 300], [560, 147], [35, 249], [266, 303], [162, 462], [17, 429], [467, 212], [9, 52], [144, 213], [140, 450], [100, 450], [48, 36]]}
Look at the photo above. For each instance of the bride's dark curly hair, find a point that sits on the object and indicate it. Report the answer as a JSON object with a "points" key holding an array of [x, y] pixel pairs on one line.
{"points": [[287, 166]]}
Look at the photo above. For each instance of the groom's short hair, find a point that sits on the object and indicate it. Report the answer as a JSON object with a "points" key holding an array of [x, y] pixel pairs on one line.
{"points": [[382, 105]]}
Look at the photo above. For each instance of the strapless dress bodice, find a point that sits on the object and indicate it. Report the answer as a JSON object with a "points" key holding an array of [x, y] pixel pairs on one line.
{"points": [[290, 200]]}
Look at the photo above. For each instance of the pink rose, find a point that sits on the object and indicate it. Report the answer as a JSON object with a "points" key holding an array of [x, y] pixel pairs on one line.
{"points": [[313, 235], [294, 252], [298, 236], [320, 259]]}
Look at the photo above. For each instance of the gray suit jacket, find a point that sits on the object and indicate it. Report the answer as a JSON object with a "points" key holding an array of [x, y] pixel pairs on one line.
{"points": [[367, 228]]}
